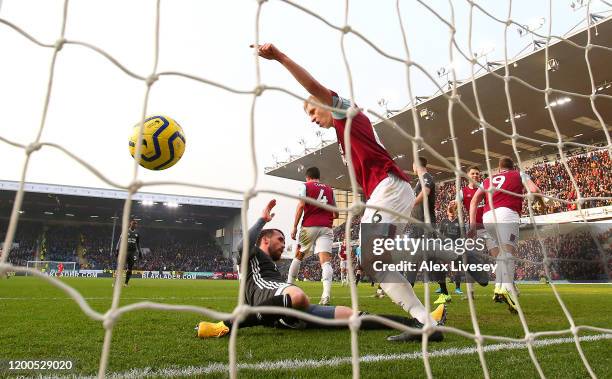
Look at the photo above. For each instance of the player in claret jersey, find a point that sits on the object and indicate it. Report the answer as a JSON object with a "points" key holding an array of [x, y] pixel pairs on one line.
{"points": [[343, 264], [383, 183], [501, 221], [467, 194], [316, 234]]}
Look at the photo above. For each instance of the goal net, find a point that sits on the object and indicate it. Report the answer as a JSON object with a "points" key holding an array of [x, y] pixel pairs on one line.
{"points": [[459, 46], [52, 268]]}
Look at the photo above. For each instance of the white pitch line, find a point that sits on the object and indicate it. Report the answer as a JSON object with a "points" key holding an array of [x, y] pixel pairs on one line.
{"points": [[211, 297], [294, 364]]}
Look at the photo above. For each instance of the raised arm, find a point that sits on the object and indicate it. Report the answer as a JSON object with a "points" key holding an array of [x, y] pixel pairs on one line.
{"points": [[310, 84], [266, 217]]}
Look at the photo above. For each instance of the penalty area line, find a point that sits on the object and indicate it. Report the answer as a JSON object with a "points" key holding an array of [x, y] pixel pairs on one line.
{"points": [[294, 364]]}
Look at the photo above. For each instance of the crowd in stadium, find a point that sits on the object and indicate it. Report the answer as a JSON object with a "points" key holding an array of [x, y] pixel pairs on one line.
{"points": [[572, 256], [90, 247], [186, 250], [67, 244], [591, 172]]}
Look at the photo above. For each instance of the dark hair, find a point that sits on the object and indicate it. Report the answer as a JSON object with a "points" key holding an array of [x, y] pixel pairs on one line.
{"points": [[506, 162], [313, 173], [267, 233], [423, 161], [473, 168]]}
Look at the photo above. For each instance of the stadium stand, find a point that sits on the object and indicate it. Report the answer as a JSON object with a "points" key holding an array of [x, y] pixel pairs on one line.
{"points": [[574, 256], [590, 170], [79, 224], [90, 245]]}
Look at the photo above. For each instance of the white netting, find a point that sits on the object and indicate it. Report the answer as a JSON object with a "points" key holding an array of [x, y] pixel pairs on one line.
{"points": [[110, 317]]}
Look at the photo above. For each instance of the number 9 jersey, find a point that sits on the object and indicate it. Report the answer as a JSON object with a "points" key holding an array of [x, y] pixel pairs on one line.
{"points": [[511, 181]]}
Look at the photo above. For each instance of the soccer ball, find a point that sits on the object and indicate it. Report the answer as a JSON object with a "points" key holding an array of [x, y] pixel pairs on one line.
{"points": [[163, 143]]}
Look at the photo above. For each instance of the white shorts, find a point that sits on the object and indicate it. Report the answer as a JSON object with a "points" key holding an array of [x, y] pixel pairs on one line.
{"points": [[392, 193], [506, 228], [484, 235], [317, 238], [343, 264]]}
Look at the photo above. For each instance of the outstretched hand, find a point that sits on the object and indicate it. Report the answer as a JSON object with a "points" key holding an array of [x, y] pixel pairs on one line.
{"points": [[267, 214], [268, 51]]}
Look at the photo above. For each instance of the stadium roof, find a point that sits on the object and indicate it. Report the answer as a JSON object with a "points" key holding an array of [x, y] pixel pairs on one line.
{"points": [[83, 204], [575, 119]]}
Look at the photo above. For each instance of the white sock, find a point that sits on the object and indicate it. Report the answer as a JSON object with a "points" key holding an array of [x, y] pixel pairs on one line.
{"points": [[508, 273], [342, 274], [327, 274], [499, 270], [294, 270], [402, 294]]}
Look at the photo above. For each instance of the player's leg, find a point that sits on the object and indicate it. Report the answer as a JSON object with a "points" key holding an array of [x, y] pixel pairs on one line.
{"points": [[209, 329], [294, 268], [503, 237], [299, 299], [444, 296], [458, 290], [395, 194], [304, 249], [491, 238], [509, 245], [379, 293], [343, 279], [130, 265], [327, 275], [323, 247], [285, 296], [342, 312]]}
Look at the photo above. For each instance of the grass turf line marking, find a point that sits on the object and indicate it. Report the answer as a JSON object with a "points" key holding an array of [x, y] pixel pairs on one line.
{"points": [[368, 296], [293, 364]]}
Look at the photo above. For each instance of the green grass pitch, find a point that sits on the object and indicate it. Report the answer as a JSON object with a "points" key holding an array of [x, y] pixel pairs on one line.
{"points": [[39, 322]]}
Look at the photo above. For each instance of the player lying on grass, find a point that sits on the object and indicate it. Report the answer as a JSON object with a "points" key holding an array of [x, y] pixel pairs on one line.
{"points": [[265, 287], [383, 182], [502, 231]]}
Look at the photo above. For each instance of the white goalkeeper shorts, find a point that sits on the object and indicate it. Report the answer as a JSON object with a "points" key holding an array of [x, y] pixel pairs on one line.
{"points": [[503, 232]]}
